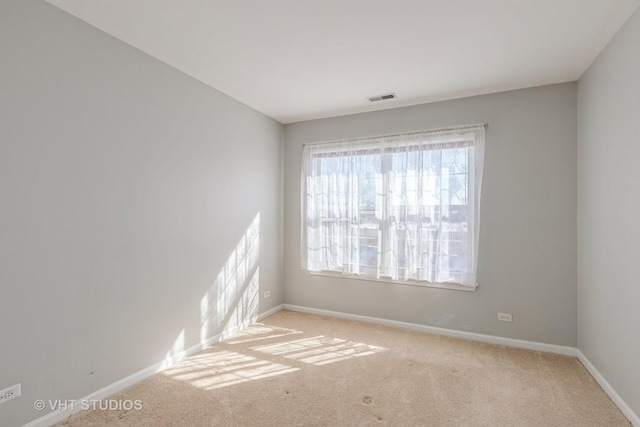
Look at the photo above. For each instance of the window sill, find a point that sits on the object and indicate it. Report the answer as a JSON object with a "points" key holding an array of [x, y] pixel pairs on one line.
{"points": [[450, 286]]}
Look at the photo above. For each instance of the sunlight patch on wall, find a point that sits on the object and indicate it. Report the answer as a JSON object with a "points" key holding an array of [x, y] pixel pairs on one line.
{"points": [[245, 307], [176, 353], [232, 301]]}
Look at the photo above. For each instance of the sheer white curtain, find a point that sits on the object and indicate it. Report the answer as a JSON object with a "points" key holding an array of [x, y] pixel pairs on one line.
{"points": [[400, 207]]}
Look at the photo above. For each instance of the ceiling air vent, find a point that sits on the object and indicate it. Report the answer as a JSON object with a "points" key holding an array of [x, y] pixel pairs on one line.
{"points": [[382, 97]]}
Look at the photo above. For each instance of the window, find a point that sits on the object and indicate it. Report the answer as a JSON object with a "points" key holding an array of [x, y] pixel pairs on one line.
{"points": [[400, 207]]}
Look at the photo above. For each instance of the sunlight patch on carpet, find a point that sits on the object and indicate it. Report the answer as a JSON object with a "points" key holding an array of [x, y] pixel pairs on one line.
{"points": [[259, 332], [320, 350], [210, 371]]}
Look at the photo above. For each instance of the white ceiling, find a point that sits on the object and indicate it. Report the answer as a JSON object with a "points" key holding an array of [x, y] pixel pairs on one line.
{"points": [[302, 59]]}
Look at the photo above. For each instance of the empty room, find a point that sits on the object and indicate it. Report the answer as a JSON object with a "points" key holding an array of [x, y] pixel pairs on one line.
{"points": [[319, 213]]}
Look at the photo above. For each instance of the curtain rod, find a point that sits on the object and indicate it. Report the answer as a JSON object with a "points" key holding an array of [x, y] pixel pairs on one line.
{"points": [[452, 128]]}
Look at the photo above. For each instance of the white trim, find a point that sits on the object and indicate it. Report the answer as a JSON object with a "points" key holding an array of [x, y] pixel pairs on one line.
{"points": [[426, 132], [509, 342], [450, 286], [270, 312], [620, 403], [59, 415], [471, 138]]}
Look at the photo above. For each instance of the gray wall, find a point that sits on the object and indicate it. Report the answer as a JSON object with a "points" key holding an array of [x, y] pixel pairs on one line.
{"points": [[609, 213], [125, 187], [527, 257]]}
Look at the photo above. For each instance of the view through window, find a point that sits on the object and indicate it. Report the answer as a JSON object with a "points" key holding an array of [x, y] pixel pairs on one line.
{"points": [[400, 207]]}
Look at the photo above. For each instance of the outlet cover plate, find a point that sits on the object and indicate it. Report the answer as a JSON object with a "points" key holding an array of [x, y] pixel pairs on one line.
{"points": [[10, 393], [505, 317]]}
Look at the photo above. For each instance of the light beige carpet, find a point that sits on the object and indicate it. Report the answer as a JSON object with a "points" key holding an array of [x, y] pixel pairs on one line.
{"points": [[297, 369]]}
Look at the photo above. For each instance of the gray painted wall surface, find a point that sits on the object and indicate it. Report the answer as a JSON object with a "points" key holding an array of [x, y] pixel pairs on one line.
{"points": [[609, 213], [125, 187], [527, 256]]}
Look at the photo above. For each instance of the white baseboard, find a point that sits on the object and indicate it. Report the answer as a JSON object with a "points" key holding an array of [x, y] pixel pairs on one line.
{"points": [[620, 403], [510, 342], [270, 312], [529, 345], [61, 414]]}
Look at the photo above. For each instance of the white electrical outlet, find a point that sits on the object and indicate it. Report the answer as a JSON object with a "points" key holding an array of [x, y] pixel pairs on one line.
{"points": [[505, 317], [267, 294], [10, 393]]}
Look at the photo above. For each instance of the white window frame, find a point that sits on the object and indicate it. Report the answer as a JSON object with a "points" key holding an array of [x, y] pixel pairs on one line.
{"points": [[471, 136]]}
